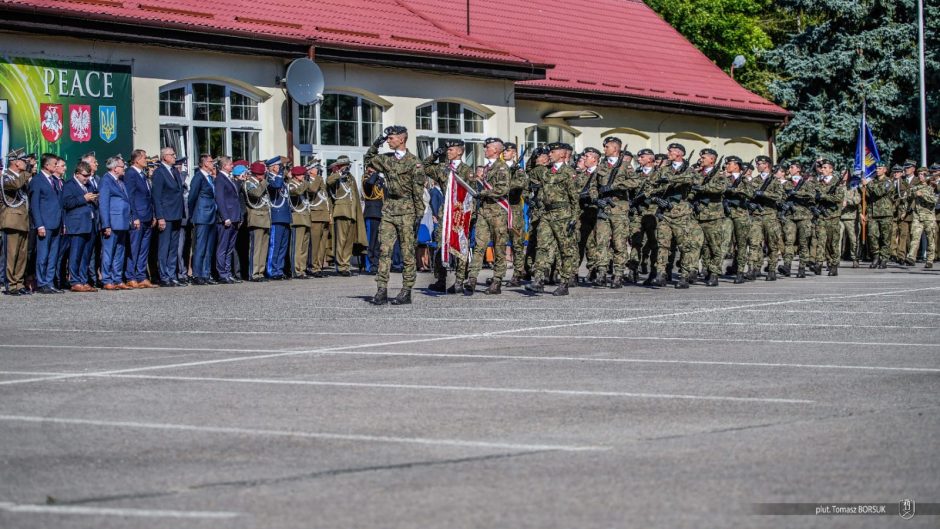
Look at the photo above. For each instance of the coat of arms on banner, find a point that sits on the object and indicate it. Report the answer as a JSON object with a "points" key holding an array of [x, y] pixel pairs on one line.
{"points": [[107, 123], [50, 117], [80, 122]]}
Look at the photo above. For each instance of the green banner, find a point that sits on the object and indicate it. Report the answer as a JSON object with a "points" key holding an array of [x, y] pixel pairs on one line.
{"points": [[66, 108]]}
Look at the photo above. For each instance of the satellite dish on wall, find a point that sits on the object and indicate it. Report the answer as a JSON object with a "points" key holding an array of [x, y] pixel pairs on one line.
{"points": [[305, 82]]}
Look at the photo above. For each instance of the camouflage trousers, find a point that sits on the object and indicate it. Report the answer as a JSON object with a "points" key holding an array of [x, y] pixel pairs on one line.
{"points": [[490, 226], [880, 237], [688, 237], [923, 222], [787, 238], [804, 235], [765, 229], [402, 229], [585, 242], [517, 238], [849, 238], [642, 240], [741, 236], [610, 239], [552, 234], [712, 249], [828, 242]]}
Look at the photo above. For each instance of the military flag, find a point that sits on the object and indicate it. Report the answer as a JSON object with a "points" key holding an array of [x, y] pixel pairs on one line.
{"points": [[458, 208], [866, 151]]}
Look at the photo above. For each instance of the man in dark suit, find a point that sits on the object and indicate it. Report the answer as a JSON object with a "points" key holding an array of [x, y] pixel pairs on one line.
{"points": [[79, 204], [45, 209], [167, 194], [229, 216], [115, 210], [138, 190], [203, 214], [94, 182]]}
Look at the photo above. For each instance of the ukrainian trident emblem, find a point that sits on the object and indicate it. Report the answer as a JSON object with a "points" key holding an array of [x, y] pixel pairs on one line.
{"points": [[107, 123]]}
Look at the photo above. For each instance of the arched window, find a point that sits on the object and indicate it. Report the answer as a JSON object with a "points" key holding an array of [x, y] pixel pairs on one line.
{"points": [[208, 117], [338, 120], [442, 120], [542, 134]]}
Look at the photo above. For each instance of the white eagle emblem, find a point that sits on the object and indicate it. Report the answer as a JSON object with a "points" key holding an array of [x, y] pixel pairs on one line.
{"points": [[80, 121], [51, 123]]}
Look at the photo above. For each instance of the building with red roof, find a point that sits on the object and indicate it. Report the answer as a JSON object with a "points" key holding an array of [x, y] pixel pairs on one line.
{"points": [[207, 76]]}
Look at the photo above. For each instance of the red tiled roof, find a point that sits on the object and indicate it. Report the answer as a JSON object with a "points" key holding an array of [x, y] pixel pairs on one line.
{"points": [[618, 47], [388, 25]]}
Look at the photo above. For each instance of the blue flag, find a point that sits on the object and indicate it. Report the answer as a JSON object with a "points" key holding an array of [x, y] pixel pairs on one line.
{"points": [[866, 151]]}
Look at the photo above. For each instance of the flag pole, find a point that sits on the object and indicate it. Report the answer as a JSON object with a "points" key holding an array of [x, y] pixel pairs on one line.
{"points": [[923, 93], [864, 217]]}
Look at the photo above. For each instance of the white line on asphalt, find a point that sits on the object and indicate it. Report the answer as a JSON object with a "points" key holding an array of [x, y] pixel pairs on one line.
{"points": [[279, 333], [103, 511], [298, 434], [803, 325], [878, 312], [706, 339]]}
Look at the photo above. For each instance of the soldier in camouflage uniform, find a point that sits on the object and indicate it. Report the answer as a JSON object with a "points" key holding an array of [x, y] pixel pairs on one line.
{"points": [[765, 226], [492, 219], [801, 195], [438, 167], [788, 245], [710, 214], [404, 201], [541, 158], [923, 201], [643, 223], [880, 195], [674, 183], [830, 193], [738, 195], [849, 220], [616, 179], [518, 185], [558, 199], [905, 213]]}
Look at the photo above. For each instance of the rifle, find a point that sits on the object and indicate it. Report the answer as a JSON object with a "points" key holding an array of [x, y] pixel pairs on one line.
{"points": [[606, 193], [704, 201], [665, 204]]}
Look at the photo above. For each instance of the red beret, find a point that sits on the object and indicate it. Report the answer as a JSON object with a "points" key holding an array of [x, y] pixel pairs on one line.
{"points": [[258, 168], [297, 171], [246, 163]]}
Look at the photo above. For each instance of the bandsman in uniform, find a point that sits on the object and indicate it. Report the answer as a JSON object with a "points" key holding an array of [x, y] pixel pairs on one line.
{"points": [[321, 218], [923, 201], [299, 221], [14, 220], [616, 179], [558, 205], [493, 217], [404, 203], [349, 229], [258, 220], [438, 167], [280, 218]]}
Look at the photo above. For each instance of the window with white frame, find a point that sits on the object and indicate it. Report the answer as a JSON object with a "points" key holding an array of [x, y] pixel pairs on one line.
{"points": [[443, 120], [338, 120], [543, 134], [212, 118]]}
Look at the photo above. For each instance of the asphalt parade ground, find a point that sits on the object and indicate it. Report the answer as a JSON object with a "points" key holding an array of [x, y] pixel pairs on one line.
{"points": [[298, 405]]}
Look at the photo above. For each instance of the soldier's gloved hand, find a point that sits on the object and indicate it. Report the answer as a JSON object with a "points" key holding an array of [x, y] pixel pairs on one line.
{"points": [[344, 179], [379, 141], [790, 193], [697, 188], [483, 194], [759, 193], [663, 180], [818, 195], [439, 152], [605, 189]]}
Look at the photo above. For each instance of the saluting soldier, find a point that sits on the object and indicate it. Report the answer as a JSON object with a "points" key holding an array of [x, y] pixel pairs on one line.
{"points": [[765, 226], [710, 214], [299, 221], [923, 202], [14, 220], [258, 220], [349, 229], [493, 217], [518, 184], [616, 179], [830, 193], [439, 166], [320, 219], [404, 202], [881, 211], [674, 181], [558, 204]]}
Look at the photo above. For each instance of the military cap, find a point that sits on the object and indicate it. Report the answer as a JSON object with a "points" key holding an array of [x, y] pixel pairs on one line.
{"points": [[676, 146], [297, 171], [567, 147], [614, 139], [488, 141], [395, 129], [660, 156], [511, 145], [712, 152], [540, 150], [934, 167], [591, 150], [258, 168], [825, 161], [244, 163], [342, 160], [897, 168], [922, 170], [909, 163], [796, 163], [642, 152], [17, 154], [735, 159], [181, 161], [453, 143], [273, 161], [554, 146], [312, 165], [239, 170], [881, 164], [628, 153], [763, 158]]}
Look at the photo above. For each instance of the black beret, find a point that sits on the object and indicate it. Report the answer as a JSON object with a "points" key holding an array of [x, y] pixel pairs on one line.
{"points": [[592, 150], [488, 141], [453, 143], [614, 139], [510, 145], [567, 147], [706, 150], [540, 150], [661, 156], [824, 161], [796, 163], [642, 152], [763, 158], [557, 145], [676, 146], [395, 129], [734, 159], [628, 153]]}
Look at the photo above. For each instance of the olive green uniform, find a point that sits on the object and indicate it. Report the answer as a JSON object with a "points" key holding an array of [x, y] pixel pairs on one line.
{"points": [[14, 221], [849, 219], [765, 225], [830, 195], [258, 220], [881, 212], [677, 223], [923, 200], [558, 199], [711, 216], [492, 222]]}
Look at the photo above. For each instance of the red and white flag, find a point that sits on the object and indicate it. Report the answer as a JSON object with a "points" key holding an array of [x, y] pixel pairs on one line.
{"points": [[458, 208], [503, 203]]}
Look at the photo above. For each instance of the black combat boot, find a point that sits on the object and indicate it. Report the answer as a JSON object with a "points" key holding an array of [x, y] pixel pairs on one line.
{"points": [[712, 280], [784, 270], [928, 265], [403, 297], [882, 264], [438, 286], [874, 262], [833, 271], [600, 280], [381, 297], [751, 275], [801, 272], [617, 282], [739, 278], [644, 268], [660, 280], [452, 289], [469, 286], [818, 269], [561, 291], [496, 287], [633, 276], [683, 282], [572, 281], [536, 287], [515, 282], [771, 275]]}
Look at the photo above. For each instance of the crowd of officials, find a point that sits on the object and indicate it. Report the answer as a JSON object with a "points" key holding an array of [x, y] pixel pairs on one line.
{"points": [[146, 222]]}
